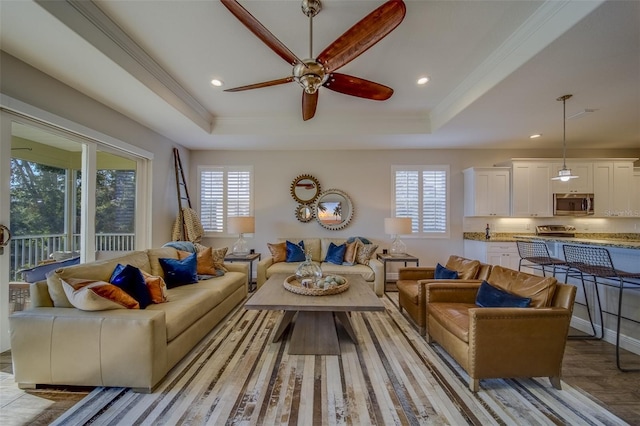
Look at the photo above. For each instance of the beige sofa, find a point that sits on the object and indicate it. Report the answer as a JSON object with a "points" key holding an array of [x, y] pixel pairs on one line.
{"points": [[372, 273], [132, 348]]}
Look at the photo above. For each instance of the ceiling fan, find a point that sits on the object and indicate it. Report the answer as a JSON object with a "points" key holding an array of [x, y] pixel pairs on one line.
{"points": [[313, 73]]}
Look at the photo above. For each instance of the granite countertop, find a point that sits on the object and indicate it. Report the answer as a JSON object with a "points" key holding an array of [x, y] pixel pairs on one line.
{"points": [[620, 240]]}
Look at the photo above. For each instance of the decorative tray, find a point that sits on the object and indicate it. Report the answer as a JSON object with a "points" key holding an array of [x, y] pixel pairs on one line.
{"points": [[292, 284]]}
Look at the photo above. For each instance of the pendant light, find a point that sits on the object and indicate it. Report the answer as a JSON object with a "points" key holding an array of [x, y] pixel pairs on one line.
{"points": [[564, 174]]}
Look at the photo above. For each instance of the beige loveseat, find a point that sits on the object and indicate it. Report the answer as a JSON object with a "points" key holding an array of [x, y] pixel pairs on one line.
{"points": [[132, 348], [372, 273]]}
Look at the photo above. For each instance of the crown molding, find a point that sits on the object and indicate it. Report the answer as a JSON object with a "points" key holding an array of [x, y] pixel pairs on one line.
{"points": [[91, 23], [552, 19]]}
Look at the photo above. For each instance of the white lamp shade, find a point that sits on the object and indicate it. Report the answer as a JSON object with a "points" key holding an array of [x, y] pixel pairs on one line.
{"points": [[241, 225], [397, 225]]}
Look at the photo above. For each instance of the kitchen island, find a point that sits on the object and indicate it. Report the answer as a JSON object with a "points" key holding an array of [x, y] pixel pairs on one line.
{"points": [[625, 254]]}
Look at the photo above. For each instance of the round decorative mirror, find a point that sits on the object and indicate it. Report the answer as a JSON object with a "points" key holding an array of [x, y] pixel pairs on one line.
{"points": [[305, 189], [333, 209], [304, 212]]}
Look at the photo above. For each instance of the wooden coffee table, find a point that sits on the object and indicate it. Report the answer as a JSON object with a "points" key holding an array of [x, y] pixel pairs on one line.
{"points": [[314, 327]]}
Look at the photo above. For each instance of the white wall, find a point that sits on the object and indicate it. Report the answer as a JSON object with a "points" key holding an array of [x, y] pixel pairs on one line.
{"points": [[23, 82], [366, 177]]}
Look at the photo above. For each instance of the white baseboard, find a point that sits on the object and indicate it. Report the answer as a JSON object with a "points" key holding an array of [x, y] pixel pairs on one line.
{"points": [[626, 342]]}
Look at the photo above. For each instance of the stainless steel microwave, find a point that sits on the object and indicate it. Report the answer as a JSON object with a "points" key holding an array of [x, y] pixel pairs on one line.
{"points": [[572, 204]]}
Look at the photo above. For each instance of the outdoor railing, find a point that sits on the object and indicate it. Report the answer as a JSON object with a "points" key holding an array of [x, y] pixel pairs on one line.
{"points": [[30, 250]]}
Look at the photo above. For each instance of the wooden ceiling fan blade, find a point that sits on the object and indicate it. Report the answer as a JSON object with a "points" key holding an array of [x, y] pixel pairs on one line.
{"points": [[360, 37], [309, 104], [261, 31], [359, 87], [260, 85]]}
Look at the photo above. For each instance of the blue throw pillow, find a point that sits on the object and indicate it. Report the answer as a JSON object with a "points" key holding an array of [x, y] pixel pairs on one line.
{"points": [[492, 297], [443, 273], [130, 279], [179, 272], [295, 252], [335, 254]]}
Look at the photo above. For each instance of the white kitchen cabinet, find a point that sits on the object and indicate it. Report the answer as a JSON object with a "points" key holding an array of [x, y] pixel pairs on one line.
{"points": [[583, 184], [504, 254], [612, 188], [486, 191], [635, 193], [532, 196]]}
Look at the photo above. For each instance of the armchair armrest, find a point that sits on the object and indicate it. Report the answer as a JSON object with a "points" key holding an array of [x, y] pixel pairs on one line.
{"points": [[451, 291], [416, 273], [508, 341]]}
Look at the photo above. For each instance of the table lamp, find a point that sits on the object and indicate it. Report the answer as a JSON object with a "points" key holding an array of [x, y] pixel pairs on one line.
{"points": [[241, 225], [396, 226]]}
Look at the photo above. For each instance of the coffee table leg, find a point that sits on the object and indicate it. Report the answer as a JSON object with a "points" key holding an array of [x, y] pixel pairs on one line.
{"points": [[314, 333], [346, 323], [284, 323]]}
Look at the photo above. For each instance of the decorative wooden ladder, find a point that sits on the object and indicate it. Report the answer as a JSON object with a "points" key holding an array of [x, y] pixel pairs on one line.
{"points": [[182, 191]]}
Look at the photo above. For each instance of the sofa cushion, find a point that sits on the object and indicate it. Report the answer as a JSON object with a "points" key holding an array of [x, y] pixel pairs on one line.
{"points": [[443, 273], [492, 297], [155, 254], [539, 289], [100, 271], [206, 262], [453, 316], [350, 253], [157, 287], [365, 252], [335, 254], [92, 295], [179, 272], [278, 251], [282, 268], [295, 251], [130, 279], [467, 269], [365, 271]]}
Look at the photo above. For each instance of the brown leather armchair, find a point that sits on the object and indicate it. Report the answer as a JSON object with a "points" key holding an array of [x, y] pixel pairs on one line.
{"points": [[412, 281], [503, 342]]}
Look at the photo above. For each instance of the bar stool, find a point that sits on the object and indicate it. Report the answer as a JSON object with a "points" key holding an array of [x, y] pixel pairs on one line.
{"points": [[595, 262], [537, 254]]}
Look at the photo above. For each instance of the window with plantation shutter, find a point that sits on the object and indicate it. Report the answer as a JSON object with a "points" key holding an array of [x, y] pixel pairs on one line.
{"points": [[422, 193], [224, 191]]}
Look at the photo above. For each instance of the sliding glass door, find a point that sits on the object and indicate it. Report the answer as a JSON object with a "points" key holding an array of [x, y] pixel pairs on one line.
{"points": [[64, 196]]}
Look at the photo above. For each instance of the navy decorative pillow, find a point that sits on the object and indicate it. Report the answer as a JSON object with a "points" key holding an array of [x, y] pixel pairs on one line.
{"points": [[295, 252], [335, 254], [492, 297], [443, 273], [130, 279], [180, 272]]}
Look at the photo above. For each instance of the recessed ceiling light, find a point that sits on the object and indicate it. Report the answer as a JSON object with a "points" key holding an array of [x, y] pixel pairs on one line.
{"points": [[217, 83], [423, 80], [536, 136]]}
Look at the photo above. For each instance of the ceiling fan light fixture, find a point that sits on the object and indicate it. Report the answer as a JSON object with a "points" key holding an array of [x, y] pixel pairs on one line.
{"points": [[564, 174], [310, 75]]}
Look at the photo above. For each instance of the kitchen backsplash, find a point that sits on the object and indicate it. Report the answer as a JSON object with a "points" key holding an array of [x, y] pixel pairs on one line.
{"points": [[528, 225]]}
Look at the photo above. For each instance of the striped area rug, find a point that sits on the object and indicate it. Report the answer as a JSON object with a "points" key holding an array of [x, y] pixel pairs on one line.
{"points": [[236, 375]]}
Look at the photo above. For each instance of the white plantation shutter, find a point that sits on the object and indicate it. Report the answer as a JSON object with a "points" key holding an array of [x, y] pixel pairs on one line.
{"points": [[224, 191], [421, 193]]}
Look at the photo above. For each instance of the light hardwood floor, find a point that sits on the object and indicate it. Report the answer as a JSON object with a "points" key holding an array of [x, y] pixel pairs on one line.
{"points": [[588, 365]]}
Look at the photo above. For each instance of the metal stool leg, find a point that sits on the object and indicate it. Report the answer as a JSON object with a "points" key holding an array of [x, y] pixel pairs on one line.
{"points": [[594, 335], [618, 331]]}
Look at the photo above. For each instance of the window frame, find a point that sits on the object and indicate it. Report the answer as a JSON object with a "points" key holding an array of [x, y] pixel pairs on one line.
{"points": [[420, 202], [224, 233]]}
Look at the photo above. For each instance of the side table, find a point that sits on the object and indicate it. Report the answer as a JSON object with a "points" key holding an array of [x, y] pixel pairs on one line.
{"points": [[249, 258], [384, 258]]}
